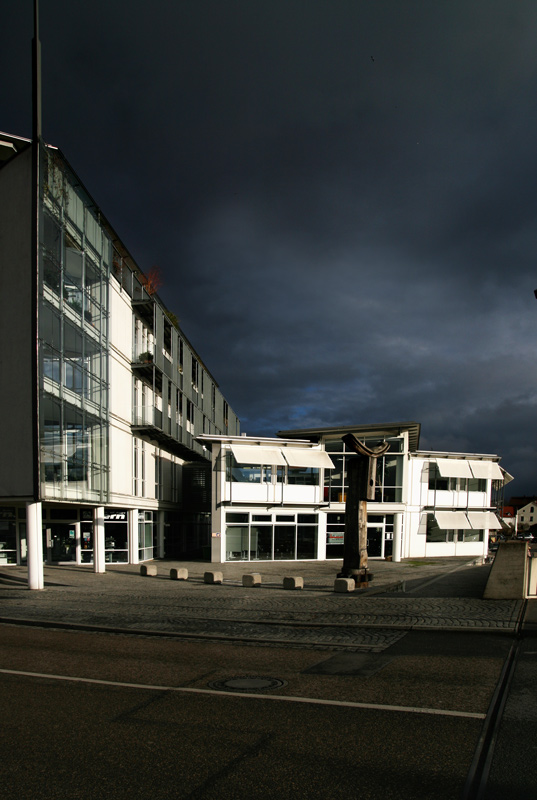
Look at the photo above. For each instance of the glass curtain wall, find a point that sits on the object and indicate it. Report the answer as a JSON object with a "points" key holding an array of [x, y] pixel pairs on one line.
{"points": [[389, 477], [75, 257]]}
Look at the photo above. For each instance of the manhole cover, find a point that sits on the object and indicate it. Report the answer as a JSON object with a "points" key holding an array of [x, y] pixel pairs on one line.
{"points": [[248, 683]]}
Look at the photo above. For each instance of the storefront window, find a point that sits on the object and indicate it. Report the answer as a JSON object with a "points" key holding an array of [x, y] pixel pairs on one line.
{"points": [[271, 536], [116, 536]]}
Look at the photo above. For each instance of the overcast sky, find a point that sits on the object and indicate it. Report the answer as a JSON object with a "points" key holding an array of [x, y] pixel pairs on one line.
{"points": [[341, 196]]}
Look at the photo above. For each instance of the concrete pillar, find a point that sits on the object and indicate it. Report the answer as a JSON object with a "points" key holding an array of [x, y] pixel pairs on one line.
{"points": [[98, 540], [160, 535], [397, 537], [34, 536], [133, 536]]}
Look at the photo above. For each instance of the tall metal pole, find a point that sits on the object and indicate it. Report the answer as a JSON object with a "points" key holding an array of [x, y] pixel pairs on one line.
{"points": [[34, 526], [36, 177]]}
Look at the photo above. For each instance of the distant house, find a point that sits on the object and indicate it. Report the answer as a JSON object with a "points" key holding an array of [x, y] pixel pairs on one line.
{"points": [[526, 516], [284, 498]]}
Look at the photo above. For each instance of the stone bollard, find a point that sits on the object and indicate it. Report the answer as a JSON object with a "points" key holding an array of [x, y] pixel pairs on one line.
{"points": [[254, 579], [179, 574], [213, 577], [344, 585], [148, 570], [293, 583]]}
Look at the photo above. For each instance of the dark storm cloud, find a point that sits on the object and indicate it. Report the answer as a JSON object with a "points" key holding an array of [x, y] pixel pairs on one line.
{"points": [[340, 195]]}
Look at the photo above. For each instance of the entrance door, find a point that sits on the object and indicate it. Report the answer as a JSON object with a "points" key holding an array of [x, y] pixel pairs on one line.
{"points": [[62, 541], [86, 542], [375, 540]]}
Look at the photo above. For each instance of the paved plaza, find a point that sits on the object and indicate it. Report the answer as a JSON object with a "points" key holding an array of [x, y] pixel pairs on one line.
{"points": [[441, 594]]}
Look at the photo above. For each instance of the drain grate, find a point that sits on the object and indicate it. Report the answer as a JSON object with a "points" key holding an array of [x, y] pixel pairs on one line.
{"points": [[248, 683]]}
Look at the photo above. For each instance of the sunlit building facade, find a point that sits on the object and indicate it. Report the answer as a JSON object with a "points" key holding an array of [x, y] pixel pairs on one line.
{"points": [[284, 498]]}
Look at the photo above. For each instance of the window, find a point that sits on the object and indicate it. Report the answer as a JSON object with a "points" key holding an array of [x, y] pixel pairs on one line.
{"points": [[389, 477], [135, 466], [440, 483], [437, 534], [143, 468], [179, 409], [167, 340], [180, 356], [190, 416], [158, 478], [195, 374], [303, 476], [270, 536]]}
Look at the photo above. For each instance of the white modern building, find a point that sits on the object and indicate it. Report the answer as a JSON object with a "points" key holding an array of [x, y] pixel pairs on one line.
{"points": [[103, 394], [284, 498]]}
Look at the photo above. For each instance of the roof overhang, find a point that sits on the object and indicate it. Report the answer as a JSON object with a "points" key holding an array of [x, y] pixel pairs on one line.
{"points": [[380, 430]]}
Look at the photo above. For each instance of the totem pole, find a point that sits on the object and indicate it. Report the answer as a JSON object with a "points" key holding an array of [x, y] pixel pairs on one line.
{"points": [[361, 472]]}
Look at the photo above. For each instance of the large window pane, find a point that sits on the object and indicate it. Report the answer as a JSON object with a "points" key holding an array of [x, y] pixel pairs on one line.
{"points": [[284, 541], [303, 476], [306, 541], [237, 542], [261, 543]]}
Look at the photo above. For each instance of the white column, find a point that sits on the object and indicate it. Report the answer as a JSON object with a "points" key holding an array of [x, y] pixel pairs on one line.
{"points": [[160, 534], [98, 540], [397, 536], [133, 536], [34, 536]]}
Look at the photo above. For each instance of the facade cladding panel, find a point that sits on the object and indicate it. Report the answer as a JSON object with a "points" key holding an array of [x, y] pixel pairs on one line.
{"points": [[120, 395]]}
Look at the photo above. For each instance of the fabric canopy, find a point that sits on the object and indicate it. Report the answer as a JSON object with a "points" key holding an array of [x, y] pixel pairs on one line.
{"points": [[452, 520], [484, 520], [307, 457], [453, 468], [486, 469], [249, 454]]}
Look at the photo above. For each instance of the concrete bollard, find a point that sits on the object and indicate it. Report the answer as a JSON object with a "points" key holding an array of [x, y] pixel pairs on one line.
{"points": [[253, 579], [344, 585], [148, 570], [179, 574], [293, 583], [213, 577]]}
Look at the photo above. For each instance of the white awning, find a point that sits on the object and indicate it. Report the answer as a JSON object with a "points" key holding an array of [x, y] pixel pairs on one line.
{"points": [[250, 454], [484, 520], [307, 457], [452, 520], [486, 469], [453, 468]]}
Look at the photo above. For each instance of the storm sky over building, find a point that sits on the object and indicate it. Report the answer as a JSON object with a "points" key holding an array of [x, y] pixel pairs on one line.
{"points": [[341, 196]]}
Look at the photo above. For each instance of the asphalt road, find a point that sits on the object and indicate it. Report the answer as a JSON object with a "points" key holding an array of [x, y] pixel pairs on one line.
{"points": [[379, 694], [423, 699]]}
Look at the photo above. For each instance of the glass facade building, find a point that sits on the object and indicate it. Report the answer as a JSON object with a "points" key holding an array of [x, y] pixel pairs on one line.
{"points": [[75, 257]]}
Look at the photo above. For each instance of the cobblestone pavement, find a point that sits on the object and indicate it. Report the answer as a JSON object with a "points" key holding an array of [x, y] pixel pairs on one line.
{"points": [[372, 619]]}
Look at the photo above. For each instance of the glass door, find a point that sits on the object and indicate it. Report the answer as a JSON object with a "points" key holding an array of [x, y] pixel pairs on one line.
{"points": [[375, 541], [62, 541]]}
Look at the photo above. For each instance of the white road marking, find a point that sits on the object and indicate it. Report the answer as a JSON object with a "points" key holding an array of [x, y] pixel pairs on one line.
{"points": [[285, 698]]}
